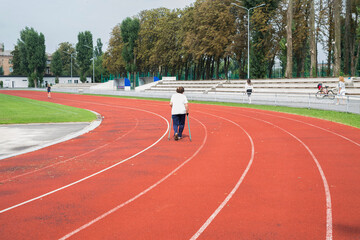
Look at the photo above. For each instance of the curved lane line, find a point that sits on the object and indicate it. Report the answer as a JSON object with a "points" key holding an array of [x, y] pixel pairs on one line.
{"points": [[140, 194], [78, 156], [325, 183], [312, 125], [230, 195], [93, 125], [94, 174], [329, 230]]}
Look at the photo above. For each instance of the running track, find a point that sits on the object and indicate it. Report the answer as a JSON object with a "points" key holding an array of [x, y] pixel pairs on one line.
{"points": [[247, 174]]}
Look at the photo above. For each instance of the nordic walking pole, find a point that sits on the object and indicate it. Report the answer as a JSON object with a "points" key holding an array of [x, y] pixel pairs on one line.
{"points": [[187, 116], [170, 129]]}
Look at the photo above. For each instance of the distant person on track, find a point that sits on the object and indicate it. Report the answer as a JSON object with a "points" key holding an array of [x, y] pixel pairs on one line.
{"points": [[341, 90], [179, 109], [248, 89], [49, 90]]}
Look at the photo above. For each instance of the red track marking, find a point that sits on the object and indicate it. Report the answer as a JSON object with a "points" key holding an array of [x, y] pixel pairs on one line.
{"points": [[326, 187], [139, 195], [92, 175], [72, 158], [229, 196], [282, 196]]}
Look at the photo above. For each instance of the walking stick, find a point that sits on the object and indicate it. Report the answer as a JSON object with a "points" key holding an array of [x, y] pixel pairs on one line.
{"points": [[170, 129], [187, 116]]}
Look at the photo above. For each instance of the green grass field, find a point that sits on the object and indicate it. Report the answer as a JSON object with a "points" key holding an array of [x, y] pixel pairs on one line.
{"points": [[350, 119], [22, 110]]}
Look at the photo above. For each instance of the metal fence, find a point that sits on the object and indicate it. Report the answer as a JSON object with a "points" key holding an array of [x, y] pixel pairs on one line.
{"points": [[348, 103]]}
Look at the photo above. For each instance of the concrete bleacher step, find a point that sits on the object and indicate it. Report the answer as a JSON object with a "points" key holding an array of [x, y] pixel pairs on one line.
{"points": [[300, 85], [74, 85]]}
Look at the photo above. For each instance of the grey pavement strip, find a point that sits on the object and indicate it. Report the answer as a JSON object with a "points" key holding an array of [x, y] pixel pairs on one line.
{"points": [[16, 139]]}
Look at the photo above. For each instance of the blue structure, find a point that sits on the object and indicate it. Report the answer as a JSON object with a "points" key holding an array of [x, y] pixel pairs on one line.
{"points": [[127, 83]]}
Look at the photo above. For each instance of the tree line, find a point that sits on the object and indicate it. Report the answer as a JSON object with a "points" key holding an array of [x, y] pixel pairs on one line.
{"points": [[30, 59], [208, 39]]}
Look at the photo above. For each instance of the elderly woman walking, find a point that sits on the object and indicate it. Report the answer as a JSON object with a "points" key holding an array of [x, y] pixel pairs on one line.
{"points": [[179, 109]]}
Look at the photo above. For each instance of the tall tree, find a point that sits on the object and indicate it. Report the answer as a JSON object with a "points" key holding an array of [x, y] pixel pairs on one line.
{"points": [[353, 38], [313, 52], [356, 60], [113, 60], [129, 33], [31, 46], [98, 48], [84, 49], [56, 65], [337, 52], [68, 59], [289, 60], [18, 68], [348, 36], [301, 40]]}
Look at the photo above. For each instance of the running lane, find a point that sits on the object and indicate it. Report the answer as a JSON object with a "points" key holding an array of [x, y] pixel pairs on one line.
{"points": [[247, 174]]}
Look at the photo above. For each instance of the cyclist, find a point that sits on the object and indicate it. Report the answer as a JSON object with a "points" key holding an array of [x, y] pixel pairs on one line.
{"points": [[320, 87]]}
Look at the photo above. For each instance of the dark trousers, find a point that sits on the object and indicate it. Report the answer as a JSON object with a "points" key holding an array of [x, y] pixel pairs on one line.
{"points": [[178, 123]]}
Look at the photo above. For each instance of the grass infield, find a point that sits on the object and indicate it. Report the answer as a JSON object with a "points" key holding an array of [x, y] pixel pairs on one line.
{"points": [[15, 110], [350, 119], [23, 110]]}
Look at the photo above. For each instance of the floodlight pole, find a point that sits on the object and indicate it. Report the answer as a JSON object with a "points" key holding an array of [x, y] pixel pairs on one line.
{"points": [[248, 29], [93, 61], [71, 59]]}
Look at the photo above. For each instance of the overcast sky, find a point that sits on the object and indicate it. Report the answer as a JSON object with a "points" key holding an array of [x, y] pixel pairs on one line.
{"points": [[62, 20]]}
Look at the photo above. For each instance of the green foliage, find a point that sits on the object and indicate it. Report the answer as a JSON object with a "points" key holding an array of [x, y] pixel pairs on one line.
{"points": [[17, 70], [129, 33], [56, 64], [112, 60], [98, 48], [205, 40], [84, 50], [1, 84], [29, 55], [147, 51], [1, 70], [67, 51]]}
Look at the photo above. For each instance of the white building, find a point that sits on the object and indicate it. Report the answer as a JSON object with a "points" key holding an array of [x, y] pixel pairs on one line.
{"points": [[23, 82]]}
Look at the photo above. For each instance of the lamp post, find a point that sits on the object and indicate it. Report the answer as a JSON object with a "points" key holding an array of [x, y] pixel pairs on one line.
{"points": [[93, 61], [71, 58], [248, 11]]}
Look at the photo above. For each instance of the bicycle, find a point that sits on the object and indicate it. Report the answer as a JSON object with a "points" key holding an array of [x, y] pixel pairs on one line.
{"points": [[325, 92]]}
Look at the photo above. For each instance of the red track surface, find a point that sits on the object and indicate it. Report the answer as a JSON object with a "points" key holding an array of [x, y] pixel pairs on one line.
{"points": [[247, 174]]}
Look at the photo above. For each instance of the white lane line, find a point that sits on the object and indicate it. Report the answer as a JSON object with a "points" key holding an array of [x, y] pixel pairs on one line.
{"points": [[325, 183], [324, 129], [74, 157], [312, 125], [94, 174], [140, 194], [329, 224], [230, 195]]}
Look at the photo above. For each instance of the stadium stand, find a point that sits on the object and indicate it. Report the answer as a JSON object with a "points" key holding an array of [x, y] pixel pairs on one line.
{"points": [[289, 86]]}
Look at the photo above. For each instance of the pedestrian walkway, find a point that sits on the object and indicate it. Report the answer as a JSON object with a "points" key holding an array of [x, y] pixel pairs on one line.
{"points": [[16, 139]]}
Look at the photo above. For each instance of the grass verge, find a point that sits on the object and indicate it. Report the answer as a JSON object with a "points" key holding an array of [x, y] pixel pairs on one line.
{"points": [[23, 110], [350, 119]]}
